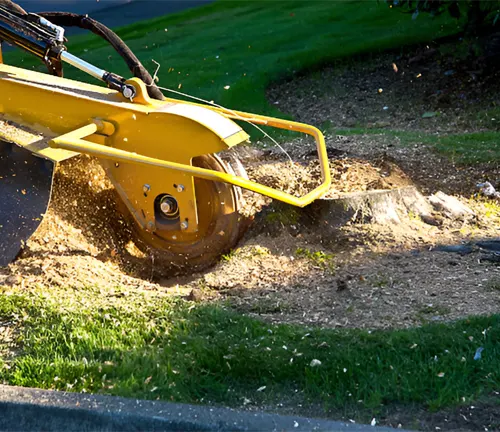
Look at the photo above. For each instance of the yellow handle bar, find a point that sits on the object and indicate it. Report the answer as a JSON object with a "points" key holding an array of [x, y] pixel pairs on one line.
{"points": [[74, 141]]}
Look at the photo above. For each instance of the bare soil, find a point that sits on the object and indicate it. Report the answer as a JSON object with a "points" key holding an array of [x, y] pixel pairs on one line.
{"points": [[395, 90], [84, 240]]}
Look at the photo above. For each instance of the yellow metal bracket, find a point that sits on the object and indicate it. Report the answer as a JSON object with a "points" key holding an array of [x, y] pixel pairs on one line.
{"points": [[74, 141]]}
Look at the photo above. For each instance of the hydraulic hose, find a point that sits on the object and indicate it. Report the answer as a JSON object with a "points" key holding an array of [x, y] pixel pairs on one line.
{"points": [[66, 19]]}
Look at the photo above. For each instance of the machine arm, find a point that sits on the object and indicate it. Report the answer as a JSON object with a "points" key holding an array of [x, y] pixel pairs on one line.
{"points": [[37, 32], [40, 37]]}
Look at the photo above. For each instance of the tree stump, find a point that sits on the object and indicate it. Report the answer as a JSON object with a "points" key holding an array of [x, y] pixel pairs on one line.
{"points": [[391, 206]]}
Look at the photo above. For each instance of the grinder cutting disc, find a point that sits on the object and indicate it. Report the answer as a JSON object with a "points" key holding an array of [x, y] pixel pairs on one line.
{"points": [[25, 187]]}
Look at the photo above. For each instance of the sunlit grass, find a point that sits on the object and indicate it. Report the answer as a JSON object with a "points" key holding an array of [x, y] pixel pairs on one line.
{"points": [[151, 347]]}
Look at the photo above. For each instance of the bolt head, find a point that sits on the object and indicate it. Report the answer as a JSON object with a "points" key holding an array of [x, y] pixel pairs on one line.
{"points": [[146, 188], [180, 188], [128, 92], [184, 225], [165, 207]]}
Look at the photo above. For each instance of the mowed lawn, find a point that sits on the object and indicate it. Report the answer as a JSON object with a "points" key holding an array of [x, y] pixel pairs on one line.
{"points": [[248, 44], [138, 344]]}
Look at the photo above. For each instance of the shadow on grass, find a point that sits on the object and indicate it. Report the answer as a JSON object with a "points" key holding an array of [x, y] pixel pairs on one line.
{"points": [[174, 351]]}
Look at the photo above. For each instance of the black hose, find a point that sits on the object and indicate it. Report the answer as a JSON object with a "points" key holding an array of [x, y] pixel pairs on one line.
{"points": [[66, 19]]}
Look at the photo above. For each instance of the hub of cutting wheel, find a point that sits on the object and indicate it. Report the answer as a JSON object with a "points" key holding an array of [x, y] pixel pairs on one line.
{"points": [[167, 206]]}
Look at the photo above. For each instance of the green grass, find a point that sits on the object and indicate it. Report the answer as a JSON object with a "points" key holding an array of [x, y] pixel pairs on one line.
{"points": [[471, 148], [143, 346], [320, 259], [404, 137], [490, 119], [247, 45]]}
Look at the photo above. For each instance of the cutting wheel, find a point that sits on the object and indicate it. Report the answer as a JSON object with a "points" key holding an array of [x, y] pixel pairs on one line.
{"points": [[220, 224]]}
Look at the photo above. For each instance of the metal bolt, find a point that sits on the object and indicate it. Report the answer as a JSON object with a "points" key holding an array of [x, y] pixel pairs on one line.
{"points": [[168, 206], [180, 188], [146, 188], [184, 225], [165, 207], [128, 91]]}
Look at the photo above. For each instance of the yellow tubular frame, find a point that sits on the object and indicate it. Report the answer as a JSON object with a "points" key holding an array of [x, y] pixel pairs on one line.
{"points": [[74, 141]]}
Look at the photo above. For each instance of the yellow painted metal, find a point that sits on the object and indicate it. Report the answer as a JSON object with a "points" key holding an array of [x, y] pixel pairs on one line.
{"points": [[60, 106], [145, 147], [73, 141], [263, 121]]}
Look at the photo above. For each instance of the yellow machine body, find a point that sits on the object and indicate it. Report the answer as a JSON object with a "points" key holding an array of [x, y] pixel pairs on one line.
{"points": [[165, 157], [148, 144], [147, 147], [169, 131]]}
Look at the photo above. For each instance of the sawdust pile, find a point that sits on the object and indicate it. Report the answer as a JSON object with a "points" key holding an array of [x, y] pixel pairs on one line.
{"points": [[85, 240], [334, 281], [348, 175]]}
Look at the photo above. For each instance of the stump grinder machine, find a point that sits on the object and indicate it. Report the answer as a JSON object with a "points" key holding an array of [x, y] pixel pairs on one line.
{"points": [[162, 155]]}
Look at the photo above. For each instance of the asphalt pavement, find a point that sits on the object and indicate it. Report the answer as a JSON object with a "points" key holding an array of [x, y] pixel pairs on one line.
{"points": [[26, 409]]}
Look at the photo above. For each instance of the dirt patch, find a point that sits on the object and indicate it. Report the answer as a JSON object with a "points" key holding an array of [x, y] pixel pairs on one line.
{"points": [[358, 275], [375, 275], [396, 290], [482, 416], [397, 90], [428, 169], [291, 266]]}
